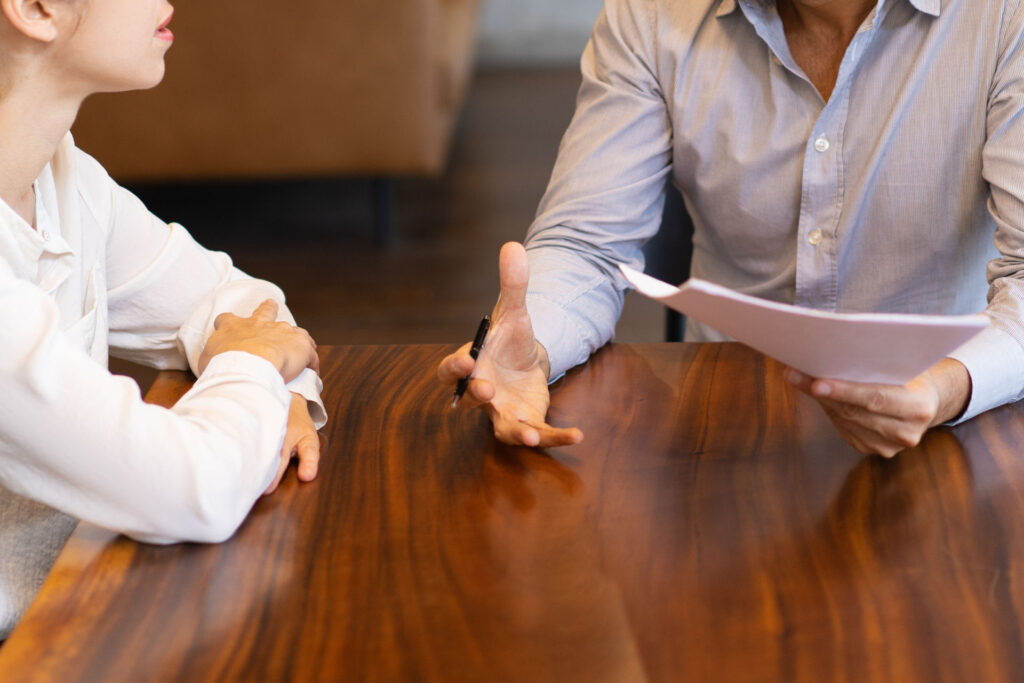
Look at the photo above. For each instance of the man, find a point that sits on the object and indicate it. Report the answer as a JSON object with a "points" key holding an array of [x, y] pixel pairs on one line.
{"points": [[845, 155]]}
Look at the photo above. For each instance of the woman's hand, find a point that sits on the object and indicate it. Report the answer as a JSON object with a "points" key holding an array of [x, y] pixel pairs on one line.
{"points": [[301, 441], [290, 349]]}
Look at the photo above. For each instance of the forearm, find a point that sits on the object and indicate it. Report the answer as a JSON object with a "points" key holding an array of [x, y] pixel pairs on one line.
{"points": [[190, 473], [573, 304]]}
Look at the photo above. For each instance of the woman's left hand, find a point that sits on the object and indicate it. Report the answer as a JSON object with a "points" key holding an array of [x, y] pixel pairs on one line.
{"points": [[301, 441]]}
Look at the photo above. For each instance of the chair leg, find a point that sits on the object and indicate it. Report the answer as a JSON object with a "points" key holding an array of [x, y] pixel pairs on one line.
{"points": [[384, 212], [675, 323]]}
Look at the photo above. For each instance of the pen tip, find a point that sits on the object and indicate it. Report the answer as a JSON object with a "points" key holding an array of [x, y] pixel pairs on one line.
{"points": [[455, 401]]}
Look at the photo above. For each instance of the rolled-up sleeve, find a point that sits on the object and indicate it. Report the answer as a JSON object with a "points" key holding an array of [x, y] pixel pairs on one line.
{"points": [[606, 193], [190, 473], [165, 290], [995, 359]]}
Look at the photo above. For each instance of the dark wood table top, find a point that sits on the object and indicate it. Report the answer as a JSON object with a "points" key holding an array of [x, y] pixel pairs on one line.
{"points": [[711, 527]]}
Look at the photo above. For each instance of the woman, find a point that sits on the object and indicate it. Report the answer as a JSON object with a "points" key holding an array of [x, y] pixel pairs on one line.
{"points": [[85, 268]]}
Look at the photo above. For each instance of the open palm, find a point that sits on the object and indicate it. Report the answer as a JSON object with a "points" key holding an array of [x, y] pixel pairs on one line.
{"points": [[509, 379]]}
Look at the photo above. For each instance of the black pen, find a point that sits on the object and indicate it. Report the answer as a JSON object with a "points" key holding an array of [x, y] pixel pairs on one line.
{"points": [[474, 351]]}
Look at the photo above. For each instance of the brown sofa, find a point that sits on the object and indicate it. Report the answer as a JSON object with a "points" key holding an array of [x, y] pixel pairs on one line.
{"points": [[324, 87]]}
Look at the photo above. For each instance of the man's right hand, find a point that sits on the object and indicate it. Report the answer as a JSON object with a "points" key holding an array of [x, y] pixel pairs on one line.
{"points": [[510, 377], [290, 349]]}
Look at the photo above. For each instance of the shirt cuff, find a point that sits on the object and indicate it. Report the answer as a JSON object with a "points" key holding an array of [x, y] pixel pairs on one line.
{"points": [[995, 362], [555, 331], [309, 385], [251, 366]]}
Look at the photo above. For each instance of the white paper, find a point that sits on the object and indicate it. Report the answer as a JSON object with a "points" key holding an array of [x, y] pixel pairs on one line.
{"points": [[885, 348]]}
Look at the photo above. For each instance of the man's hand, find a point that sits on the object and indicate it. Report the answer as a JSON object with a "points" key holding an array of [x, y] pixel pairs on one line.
{"points": [[289, 348], [510, 377], [300, 441], [883, 419]]}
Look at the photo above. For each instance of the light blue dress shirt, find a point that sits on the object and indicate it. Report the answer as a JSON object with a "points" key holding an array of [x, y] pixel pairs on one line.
{"points": [[904, 192]]}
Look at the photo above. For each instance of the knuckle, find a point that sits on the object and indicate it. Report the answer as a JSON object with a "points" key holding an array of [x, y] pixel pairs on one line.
{"points": [[921, 414], [908, 438], [876, 400], [862, 449], [901, 437], [846, 412]]}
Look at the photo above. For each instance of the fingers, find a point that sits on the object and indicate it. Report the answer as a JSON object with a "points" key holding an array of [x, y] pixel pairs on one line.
{"points": [[854, 399], [266, 311], [223, 319], [553, 437], [456, 366], [308, 453], [513, 275], [515, 431], [282, 467], [873, 418], [314, 357]]}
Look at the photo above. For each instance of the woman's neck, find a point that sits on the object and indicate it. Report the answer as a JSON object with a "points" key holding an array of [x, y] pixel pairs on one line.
{"points": [[33, 121]]}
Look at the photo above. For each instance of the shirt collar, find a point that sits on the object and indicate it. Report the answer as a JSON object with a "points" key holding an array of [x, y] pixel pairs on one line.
{"points": [[932, 7], [725, 8]]}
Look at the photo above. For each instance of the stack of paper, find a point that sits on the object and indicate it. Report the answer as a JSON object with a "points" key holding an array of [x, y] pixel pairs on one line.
{"points": [[885, 348]]}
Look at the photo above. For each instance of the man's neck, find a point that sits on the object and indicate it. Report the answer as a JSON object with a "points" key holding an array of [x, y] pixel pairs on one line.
{"points": [[828, 17], [818, 33]]}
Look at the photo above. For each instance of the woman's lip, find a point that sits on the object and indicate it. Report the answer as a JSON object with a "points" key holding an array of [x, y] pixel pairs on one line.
{"points": [[165, 22], [165, 34]]}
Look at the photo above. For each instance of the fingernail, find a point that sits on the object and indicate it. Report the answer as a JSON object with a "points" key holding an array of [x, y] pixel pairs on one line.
{"points": [[821, 389], [792, 376]]}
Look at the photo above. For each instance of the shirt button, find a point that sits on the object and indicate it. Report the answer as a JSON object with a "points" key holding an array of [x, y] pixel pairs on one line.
{"points": [[775, 58], [815, 237], [46, 236], [821, 144]]}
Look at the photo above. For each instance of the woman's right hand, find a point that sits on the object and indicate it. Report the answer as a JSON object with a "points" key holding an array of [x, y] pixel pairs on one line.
{"points": [[290, 349]]}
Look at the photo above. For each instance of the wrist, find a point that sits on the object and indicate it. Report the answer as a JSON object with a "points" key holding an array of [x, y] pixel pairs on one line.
{"points": [[542, 359], [952, 383]]}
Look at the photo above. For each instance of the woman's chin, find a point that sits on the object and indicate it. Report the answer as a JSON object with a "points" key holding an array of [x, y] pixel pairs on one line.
{"points": [[141, 81]]}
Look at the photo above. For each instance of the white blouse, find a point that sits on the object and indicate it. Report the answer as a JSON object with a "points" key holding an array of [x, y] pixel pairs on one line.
{"points": [[100, 272]]}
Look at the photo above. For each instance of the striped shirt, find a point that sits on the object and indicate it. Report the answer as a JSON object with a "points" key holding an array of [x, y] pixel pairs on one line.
{"points": [[903, 192]]}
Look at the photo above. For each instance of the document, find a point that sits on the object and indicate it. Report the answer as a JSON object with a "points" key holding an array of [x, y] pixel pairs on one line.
{"points": [[884, 348]]}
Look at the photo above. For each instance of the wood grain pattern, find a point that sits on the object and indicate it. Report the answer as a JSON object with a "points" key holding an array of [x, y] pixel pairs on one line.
{"points": [[712, 526]]}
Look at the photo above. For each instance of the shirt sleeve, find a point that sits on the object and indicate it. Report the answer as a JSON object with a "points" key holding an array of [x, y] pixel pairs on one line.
{"points": [[80, 439], [607, 190], [995, 358], [165, 290]]}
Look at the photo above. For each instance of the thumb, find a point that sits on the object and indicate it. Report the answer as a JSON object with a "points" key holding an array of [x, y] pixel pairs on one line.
{"points": [[513, 275], [266, 311]]}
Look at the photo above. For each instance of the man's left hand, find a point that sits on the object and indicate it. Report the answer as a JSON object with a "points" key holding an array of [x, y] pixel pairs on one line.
{"points": [[883, 419], [300, 441]]}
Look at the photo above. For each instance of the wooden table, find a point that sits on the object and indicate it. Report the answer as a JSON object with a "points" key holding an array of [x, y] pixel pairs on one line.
{"points": [[711, 527]]}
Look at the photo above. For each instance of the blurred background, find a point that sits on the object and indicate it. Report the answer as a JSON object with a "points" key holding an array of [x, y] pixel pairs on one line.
{"points": [[369, 156]]}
